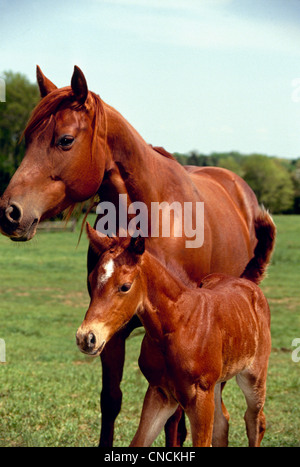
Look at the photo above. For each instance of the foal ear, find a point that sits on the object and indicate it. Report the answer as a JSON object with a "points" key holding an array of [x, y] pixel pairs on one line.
{"points": [[137, 245], [79, 86], [99, 243], [45, 85]]}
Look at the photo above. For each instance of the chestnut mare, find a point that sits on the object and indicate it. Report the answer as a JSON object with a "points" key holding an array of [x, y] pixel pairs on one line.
{"points": [[78, 146], [196, 338]]}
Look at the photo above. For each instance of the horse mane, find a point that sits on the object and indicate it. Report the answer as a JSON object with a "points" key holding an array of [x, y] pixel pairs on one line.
{"points": [[163, 152], [62, 98]]}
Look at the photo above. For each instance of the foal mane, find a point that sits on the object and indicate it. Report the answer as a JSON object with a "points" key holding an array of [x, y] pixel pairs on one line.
{"points": [[174, 269]]}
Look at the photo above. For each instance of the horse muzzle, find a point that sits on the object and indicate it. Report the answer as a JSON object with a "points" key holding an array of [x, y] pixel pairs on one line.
{"points": [[13, 223]]}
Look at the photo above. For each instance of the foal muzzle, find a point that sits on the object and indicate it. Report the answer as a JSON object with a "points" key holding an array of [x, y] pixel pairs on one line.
{"points": [[88, 343]]}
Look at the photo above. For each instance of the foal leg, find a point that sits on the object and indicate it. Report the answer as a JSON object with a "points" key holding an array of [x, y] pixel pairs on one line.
{"points": [[157, 409], [175, 429], [254, 389], [112, 359], [221, 419], [200, 411]]}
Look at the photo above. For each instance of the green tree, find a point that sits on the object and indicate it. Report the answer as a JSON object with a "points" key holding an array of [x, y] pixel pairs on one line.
{"points": [[231, 164], [181, 158], [21, 97], [270, 181]]}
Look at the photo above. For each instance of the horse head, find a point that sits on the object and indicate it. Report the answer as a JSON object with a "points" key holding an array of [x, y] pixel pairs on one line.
{"points": [[64, 161]]}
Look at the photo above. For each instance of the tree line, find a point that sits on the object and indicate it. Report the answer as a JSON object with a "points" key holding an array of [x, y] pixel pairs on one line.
{"points": [[275, 181]]}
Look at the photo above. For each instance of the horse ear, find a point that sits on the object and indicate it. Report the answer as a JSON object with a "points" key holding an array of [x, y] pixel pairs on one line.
{"points": [[99, 242], [79, 86], [45, 85], [137, 245]]}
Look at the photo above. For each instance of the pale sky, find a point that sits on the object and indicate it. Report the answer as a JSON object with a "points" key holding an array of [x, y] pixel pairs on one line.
{"points": [[205, 75]]}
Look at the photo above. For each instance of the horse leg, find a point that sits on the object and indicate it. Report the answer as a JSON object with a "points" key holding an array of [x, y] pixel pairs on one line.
{"points": [[157, 409], [175, 429], [221, 419], [112, 359], [200, 411], [254, 389]]}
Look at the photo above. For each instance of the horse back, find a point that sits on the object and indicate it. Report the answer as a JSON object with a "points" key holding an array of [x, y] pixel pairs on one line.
{"points": [[236, 188]]}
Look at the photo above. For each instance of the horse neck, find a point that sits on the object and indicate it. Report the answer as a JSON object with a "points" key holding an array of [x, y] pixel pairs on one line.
{"points": [[159, 313], [131, 162]]}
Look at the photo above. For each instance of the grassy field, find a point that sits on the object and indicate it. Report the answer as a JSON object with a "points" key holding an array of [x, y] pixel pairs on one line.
{"points": [[49, 391]]}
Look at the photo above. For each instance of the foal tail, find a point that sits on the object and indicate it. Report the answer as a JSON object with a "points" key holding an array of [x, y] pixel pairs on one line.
{"points": [[265, 232]]}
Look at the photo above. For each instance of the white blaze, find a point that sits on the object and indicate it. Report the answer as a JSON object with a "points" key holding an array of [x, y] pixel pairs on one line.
{"points": [[109, 269]]}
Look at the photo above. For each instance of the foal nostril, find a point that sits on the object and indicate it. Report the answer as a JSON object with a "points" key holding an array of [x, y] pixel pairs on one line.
{"points": [[86, 341], [91, 340], [14, 213]]}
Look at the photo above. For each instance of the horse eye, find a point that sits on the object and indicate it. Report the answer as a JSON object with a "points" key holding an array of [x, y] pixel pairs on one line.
{"points": [[66, 141], [125, 287]]}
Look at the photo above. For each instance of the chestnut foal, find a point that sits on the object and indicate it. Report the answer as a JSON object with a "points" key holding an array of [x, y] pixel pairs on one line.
{"points": [[196, 338]]}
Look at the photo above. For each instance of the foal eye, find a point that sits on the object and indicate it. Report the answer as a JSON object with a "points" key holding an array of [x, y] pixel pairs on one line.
{"points": [[125, 287], [66, 141]]}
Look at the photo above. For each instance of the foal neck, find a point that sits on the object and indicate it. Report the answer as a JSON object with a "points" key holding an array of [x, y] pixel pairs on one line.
{"points": [[163, 293]]}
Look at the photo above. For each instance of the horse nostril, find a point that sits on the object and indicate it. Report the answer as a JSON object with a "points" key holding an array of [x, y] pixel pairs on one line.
{"points": [[14, 213]]}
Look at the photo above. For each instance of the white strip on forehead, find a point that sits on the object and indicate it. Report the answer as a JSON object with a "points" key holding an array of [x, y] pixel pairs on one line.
{"points": [[108, 271]]}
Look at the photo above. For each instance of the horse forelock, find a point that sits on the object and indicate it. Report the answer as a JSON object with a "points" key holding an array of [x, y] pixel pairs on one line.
{"points": [[57, 99], [45, 108]]}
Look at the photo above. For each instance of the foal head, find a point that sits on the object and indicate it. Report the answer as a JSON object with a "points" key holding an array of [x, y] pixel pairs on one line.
{"points": [[117, 289]]}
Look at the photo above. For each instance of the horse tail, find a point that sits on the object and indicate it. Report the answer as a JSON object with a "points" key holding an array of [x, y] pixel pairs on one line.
{"points": [[265, 232]]}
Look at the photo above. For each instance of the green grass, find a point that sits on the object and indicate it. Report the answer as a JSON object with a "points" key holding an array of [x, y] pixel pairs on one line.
{"points": [[49, 391]]}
